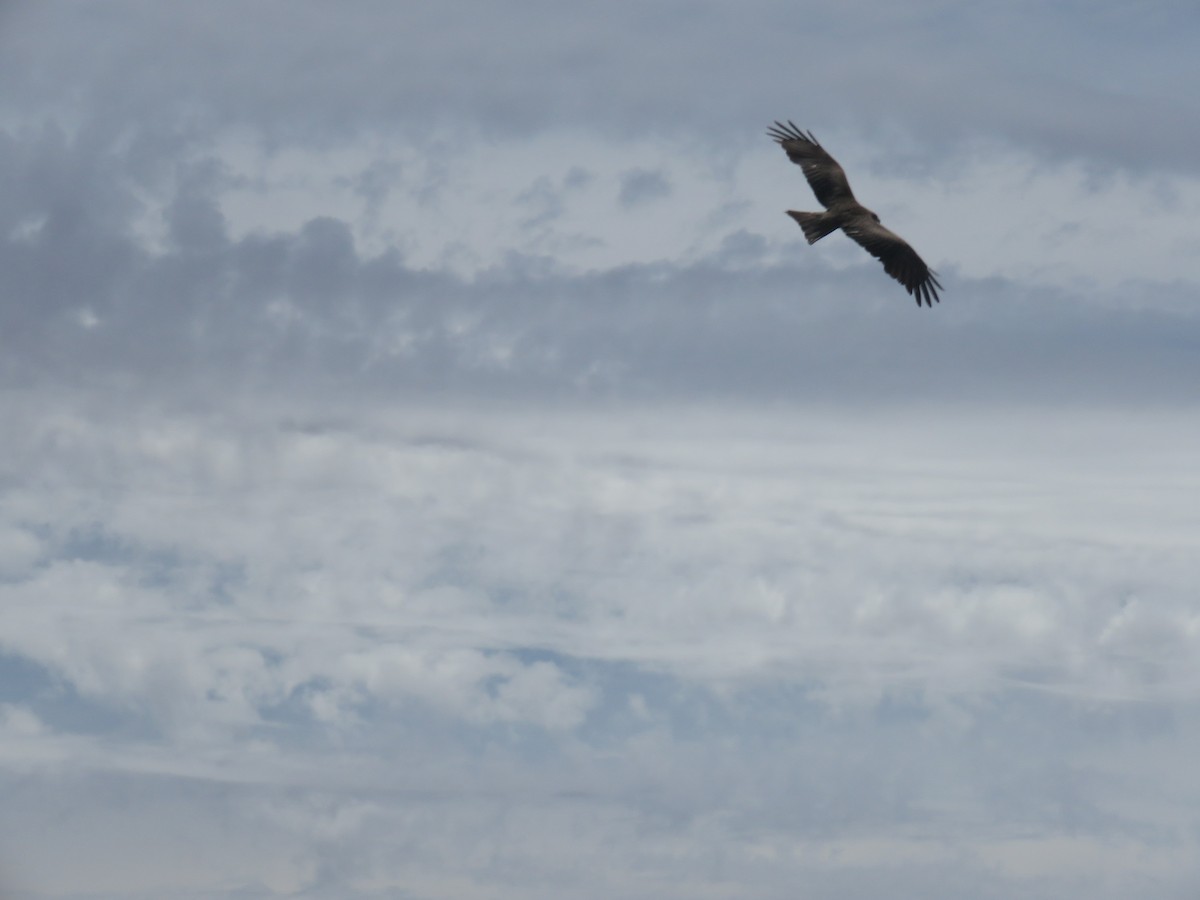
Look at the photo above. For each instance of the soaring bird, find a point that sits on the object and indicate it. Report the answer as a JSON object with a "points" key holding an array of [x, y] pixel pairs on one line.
{"points": [[829, 183]]}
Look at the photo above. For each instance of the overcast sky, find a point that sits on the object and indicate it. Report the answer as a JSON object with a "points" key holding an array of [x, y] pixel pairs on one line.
{"points": [[433, 466]]}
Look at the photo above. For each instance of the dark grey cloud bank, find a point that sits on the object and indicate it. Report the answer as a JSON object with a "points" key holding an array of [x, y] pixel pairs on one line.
{"points": [[1103, 82], [83, 298]]}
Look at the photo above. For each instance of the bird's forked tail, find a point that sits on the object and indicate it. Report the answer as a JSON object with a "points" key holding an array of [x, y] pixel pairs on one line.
{"points": [[815, 225]]}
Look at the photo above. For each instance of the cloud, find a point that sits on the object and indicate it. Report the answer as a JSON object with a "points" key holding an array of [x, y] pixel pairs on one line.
{"points": [[322, 302], [435, 466], [639, 186], [931, 74], [792, 639]]}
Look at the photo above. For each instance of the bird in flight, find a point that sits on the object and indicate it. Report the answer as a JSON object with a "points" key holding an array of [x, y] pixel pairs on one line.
{"points": [[829, 183]]}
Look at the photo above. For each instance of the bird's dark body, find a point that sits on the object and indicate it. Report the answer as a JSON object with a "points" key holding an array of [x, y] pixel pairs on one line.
{"points": [[842, 210]]}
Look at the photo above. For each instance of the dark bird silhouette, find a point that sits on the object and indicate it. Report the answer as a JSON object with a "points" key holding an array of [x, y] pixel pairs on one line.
{"points": [[829, 183]]}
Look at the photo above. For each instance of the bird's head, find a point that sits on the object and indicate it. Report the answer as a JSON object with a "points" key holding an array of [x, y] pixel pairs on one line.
{"points": [[874, 216]]}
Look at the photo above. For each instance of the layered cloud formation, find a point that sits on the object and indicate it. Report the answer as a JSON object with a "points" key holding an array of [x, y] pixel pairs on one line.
{"points": [[434, 466]]}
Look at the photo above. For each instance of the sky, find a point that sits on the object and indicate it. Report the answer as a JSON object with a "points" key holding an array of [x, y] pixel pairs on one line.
{"points": [[433, 465]]}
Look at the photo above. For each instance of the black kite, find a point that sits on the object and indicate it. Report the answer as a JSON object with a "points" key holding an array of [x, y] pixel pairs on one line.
{"points": [[829, 183]]}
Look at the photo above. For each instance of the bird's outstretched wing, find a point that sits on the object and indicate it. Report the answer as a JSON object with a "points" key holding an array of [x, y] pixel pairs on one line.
{"points": [[898, 258], [824, 175]]}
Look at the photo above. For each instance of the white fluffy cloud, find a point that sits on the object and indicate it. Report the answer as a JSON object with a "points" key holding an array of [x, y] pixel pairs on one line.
{"points": [[807, 639]]}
